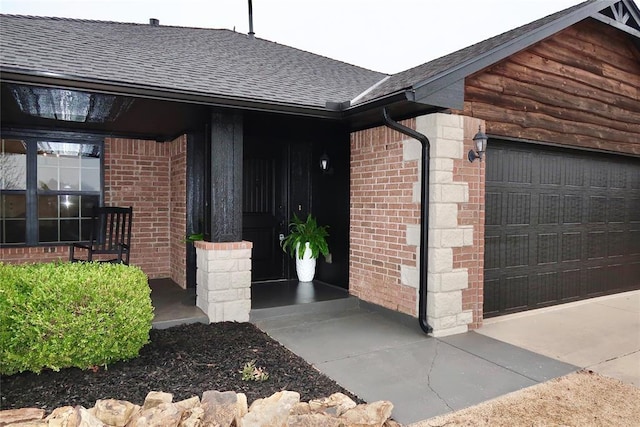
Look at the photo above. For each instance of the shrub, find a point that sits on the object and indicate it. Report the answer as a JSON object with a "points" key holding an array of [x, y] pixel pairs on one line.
{"points": [[60, 315]]}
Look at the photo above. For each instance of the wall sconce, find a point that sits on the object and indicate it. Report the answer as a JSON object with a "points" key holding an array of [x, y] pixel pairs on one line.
{"points": [[324, 162], [480, 139]]}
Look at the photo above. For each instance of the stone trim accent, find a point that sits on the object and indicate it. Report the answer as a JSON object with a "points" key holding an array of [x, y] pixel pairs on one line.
{"points": [[223, 280], [448, 197]]}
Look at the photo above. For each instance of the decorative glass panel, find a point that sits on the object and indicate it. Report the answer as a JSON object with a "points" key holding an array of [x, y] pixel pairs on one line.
{"points": [[13, 164]]}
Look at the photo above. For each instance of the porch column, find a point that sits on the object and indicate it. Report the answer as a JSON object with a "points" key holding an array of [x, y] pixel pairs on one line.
{"points": [[224, 280], [226, 177]]}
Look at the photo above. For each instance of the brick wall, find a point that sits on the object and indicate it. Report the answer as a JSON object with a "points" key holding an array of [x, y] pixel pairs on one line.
{"points": [[151, 177], [382, 206], [471, 213], [385, 215]]}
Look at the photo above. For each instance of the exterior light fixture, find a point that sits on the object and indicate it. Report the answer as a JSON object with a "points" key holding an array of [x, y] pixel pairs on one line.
{"points": [[324, 162], [480, 139]]}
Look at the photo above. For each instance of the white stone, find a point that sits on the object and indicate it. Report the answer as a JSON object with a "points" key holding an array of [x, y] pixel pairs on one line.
{"points": [[465, 317], [220, 254], [433, 282], [241, 254], [441, 304], [413, 234], [224, 265], [443, 215], [440, 176], [237, 311], [453, 132], [440, 260], [451, 238], [241, 279], [417, 188], [450, 331], [411, 150], [442, 165], [243, 265], [445, 322], [218, 281], [468, 235], [454, 193], [225, 295], [454, 280], [409, 276], [447, 148]]}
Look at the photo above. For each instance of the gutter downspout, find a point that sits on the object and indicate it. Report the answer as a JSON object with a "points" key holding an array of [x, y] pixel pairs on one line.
{"points": [[424, 216]]}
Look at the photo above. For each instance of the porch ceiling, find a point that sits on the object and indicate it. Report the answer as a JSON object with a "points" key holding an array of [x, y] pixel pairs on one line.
{"points": [[145, 118]]}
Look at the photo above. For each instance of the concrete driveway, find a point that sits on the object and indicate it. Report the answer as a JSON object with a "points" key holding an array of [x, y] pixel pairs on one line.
{"points": [[601, 334]]}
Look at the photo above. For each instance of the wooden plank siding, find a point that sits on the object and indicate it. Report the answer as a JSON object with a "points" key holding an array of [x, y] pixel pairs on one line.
{"points": [[580, 87]]}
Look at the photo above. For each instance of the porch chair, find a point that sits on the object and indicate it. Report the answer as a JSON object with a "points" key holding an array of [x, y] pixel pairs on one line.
{"points": [[110, 235]]}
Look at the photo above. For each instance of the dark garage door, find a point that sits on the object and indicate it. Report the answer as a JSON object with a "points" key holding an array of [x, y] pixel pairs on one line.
{"points": [[561, 225]]}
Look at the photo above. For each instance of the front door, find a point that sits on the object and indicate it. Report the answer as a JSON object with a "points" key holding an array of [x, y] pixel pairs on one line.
{"points": [[276, 184], [264, 210]]}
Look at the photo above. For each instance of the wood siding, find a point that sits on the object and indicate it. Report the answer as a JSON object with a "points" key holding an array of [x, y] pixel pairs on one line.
{"points": [[580, 88]]}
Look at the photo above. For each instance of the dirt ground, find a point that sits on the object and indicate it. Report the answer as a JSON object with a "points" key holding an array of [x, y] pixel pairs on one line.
{"points": [[580, 399]]}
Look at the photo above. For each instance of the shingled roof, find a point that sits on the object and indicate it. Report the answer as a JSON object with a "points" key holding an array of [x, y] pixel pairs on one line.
{"points": [[189, 60], [493, 49]]}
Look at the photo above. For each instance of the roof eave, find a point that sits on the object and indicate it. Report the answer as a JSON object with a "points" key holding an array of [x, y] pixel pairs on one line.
{"points": [[47, 79]]}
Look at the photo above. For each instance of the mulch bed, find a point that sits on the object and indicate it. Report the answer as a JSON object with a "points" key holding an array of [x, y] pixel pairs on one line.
{"points": [[186, 361]]}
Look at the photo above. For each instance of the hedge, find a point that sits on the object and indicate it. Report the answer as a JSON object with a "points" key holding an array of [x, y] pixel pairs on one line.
{"points": [[60, 315]]}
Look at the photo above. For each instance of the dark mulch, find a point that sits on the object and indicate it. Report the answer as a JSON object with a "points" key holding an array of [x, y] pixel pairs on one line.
{"points": [[184, 360]]}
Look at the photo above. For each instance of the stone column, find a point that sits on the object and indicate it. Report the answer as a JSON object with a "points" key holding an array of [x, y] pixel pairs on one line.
{"points": [[223, 280]]}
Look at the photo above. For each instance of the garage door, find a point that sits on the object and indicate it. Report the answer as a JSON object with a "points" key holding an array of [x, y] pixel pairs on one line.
{"points": [[561, 225]]}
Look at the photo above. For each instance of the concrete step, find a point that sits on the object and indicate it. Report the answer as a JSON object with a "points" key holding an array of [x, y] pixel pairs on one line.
{"points": [[320, 307]]}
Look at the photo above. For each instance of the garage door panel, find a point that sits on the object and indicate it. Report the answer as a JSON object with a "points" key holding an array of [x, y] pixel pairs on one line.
{"points": [[561, 225]]}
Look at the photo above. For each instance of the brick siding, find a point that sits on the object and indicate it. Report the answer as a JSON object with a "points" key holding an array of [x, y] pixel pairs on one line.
{"points": [[151, 177], [382, 205]]}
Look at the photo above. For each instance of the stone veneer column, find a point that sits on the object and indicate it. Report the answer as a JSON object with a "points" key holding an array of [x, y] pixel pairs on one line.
{"points": [[223, 280], [445, 283]]}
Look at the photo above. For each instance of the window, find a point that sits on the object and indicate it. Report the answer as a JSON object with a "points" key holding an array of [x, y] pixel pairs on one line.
{"points": [[48, 187]]}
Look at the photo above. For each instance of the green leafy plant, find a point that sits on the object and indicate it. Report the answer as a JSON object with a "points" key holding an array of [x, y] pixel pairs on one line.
{"points": [[194, 237], [59, 315], [301, 232], [250, 372]]}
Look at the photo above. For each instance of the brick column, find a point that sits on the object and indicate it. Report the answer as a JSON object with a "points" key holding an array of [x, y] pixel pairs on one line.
{"points": [[223, 280]]}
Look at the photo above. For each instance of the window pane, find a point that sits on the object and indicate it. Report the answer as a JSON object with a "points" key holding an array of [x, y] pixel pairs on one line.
{"points": [[69, 206], [48, 230], [69, 173], [90, 174], [47, 207], [12, 218], [13, 164], [86, 205], [69, 230]]}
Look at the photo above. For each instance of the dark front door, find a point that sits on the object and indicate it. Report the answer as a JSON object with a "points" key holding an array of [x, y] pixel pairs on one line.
{"points": [[560, 225], [264, 210], [276, 184]]}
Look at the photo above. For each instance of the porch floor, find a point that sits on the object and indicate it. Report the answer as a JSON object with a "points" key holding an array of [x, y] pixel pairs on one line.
{"points": [[174, 305]]}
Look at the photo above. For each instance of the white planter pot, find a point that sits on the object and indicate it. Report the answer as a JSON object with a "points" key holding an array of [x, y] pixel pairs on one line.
{"points": [[305, 267]]}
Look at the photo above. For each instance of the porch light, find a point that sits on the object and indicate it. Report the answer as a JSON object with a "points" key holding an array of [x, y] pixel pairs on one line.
{"points": [[324, 162], [480, 139]]}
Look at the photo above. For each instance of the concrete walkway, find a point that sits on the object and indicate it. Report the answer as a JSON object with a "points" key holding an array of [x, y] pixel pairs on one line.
{"points": [[601, 334], [379, 357]]}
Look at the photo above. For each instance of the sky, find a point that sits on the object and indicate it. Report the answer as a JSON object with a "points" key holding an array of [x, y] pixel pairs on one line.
{"points": [[387, 36]]}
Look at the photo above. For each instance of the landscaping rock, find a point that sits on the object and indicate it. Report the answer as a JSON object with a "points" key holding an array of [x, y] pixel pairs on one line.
{"points": [[272, 411], [12, 416], [114, 412], [215, 409], [220, 408], [155, 398], [370, 415]]}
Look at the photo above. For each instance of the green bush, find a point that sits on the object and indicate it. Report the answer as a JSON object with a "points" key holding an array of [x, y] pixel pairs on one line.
{"points": [[60, 315]]}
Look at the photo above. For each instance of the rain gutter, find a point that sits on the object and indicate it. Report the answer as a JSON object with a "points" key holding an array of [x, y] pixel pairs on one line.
{"points": [[424, 217]]}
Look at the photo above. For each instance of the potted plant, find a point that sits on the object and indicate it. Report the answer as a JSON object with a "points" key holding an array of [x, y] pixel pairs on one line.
{"points": [[306, 241]]}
